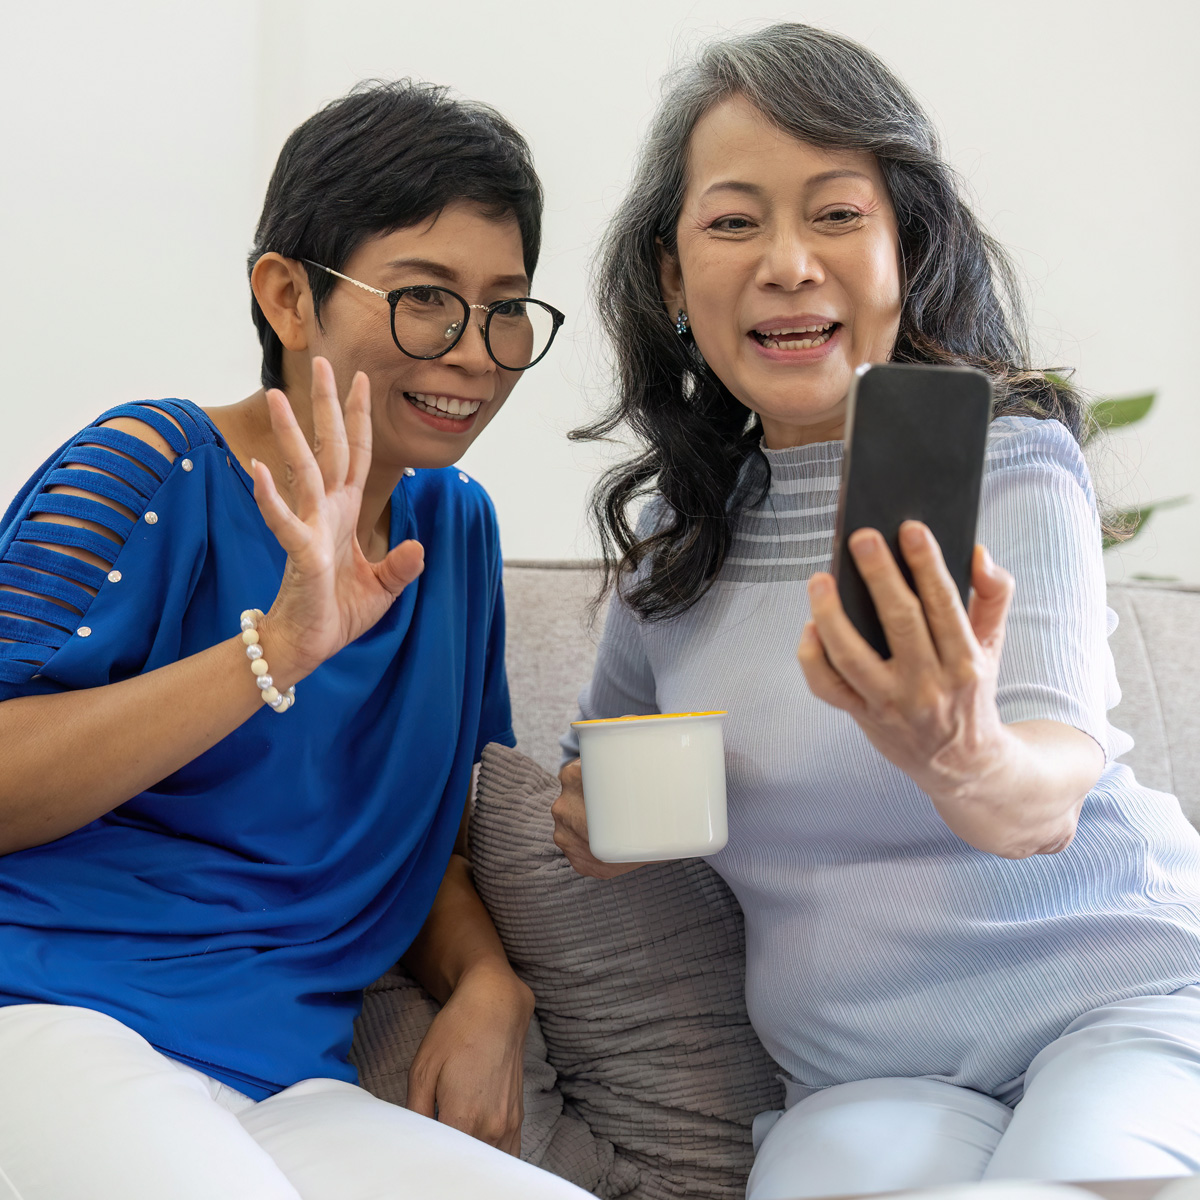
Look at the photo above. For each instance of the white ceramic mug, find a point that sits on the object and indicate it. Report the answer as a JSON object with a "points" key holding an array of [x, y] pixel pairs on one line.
{"points": [[654, 786]]}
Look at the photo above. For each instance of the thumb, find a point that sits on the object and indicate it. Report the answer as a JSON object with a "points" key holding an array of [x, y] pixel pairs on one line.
{"points": [[401, 566], [992, 594]]}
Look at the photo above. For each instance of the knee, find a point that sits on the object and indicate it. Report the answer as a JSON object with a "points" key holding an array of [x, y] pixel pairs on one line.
{"points": [[877, 1135], [54, 1024], [52, 1035], [1099, 1046], [851, 1108]]}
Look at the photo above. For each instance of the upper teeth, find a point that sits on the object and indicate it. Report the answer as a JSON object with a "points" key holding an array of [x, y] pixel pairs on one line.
{"points": [[447, 404], [773, 333]]}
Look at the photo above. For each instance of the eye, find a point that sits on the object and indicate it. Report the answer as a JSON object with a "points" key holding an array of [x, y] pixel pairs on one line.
{"points": [[432, 296], [509, 308], [731, 224], [841, 216]]}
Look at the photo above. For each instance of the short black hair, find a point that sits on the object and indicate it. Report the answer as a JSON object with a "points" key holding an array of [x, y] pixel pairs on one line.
{"points": [[387, 156]]}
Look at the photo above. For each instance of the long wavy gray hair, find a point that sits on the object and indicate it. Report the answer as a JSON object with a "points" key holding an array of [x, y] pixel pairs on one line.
{"points": [[961, 300]]}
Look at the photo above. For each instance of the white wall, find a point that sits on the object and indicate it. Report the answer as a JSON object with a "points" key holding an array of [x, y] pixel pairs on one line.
{"points": [[138, 137]]}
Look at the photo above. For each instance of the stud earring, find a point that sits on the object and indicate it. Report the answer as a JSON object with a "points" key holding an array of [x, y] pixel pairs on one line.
{"points": [[681, 323]]}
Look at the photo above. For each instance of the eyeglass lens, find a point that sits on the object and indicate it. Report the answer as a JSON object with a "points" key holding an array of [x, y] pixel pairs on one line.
{"points": [[426, 320]]}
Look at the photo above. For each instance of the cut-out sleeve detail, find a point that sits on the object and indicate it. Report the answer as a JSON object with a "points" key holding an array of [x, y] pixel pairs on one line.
{"points": [[70, 525], [50, 562], [18, 633], [69, 535], [115, 490], [140, 482], [82, 509], [14, 575], [126, 444]]}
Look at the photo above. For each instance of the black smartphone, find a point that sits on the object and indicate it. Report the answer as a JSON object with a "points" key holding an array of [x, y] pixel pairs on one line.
{"points": [[915, 440]]}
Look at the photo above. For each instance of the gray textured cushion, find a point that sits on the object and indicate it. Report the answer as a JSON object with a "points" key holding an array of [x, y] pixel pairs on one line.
{"points": [[639, 983], [396, 1013], [1157, 651]]}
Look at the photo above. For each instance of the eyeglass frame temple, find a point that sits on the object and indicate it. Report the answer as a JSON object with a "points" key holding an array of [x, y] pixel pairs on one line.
{"points": [[557, 318]]}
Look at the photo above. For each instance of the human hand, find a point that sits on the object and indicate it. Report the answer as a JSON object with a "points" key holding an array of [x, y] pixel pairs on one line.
{"points": [[468, 1071], [330, 593], [931, 708], [570, 828]]}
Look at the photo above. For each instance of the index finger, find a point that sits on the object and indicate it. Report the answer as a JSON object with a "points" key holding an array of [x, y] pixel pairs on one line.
{"points": [[944, 612]]}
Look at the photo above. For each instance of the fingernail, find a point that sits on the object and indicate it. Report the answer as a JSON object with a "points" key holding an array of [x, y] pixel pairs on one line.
{"points": [[253, 463], [911, 533], [819, 585], [865, 544]]}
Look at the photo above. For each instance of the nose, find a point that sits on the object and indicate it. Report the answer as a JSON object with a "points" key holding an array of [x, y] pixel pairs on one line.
{"points": [[789, 262], [470, 355]]}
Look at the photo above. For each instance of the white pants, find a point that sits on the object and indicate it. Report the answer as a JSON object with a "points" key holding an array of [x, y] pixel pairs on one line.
{"points": [[88, 1108], [1117, 1096]]}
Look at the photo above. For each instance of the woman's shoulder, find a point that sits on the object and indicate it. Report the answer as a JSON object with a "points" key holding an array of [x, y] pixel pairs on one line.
{"points": [[1035, 444], [124, 487], [448, 487], [1014, 438], [168, 427], [119, 461], [451, 502]]}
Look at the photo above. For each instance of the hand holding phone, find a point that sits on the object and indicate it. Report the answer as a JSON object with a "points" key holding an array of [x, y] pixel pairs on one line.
{"points": [[915, 442]]}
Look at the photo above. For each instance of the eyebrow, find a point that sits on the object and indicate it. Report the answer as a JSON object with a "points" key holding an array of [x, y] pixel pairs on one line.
{"points": [[752, 189], [441, 271]]}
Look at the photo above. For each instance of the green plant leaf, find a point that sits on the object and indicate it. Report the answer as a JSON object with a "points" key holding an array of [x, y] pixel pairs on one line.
{"points": [[1122, 410], [1133, 520]]}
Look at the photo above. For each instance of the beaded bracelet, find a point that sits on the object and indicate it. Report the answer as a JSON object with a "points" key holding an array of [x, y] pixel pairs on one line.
{"points": [[279, 701]]}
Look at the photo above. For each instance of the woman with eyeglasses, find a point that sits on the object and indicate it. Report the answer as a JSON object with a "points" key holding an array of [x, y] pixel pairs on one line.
{"points": [[973, 940], [248, 657]]}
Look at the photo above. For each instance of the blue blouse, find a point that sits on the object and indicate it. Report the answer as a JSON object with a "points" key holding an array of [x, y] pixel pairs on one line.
{"points": [[233, 913]]}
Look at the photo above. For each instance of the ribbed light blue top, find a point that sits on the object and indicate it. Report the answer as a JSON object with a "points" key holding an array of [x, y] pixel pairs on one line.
{"points": [[878, 943]]}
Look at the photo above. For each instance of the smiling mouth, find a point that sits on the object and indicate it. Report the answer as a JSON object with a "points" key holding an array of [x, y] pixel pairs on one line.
{"points": [[449, 407], [800, 338]]}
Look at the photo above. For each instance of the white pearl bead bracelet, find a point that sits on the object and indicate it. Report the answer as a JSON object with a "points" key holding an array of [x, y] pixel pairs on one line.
{"points": [[279, 701]]}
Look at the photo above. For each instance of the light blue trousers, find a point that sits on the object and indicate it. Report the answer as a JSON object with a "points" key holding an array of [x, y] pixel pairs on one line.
{"points": [[1117, 1096]]}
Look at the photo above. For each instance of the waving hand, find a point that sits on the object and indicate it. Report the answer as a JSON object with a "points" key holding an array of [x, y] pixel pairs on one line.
{"points": [[331, 593]]}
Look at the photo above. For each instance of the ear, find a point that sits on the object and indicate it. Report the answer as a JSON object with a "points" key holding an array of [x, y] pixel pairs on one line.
{"points": [[670, 281], [280, 286]]}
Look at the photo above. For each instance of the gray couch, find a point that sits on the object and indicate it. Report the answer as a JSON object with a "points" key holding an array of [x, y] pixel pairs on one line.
{"points": [[642, 1072]]}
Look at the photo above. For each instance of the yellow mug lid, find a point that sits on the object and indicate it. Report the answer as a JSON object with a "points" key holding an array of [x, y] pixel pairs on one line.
{"points": [[650, 717]]}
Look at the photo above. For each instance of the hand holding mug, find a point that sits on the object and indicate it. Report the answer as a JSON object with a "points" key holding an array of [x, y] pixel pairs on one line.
{"points": [[571, 831]]}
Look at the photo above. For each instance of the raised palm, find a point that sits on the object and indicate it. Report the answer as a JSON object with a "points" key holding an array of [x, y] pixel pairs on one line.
{"points": [[331, 593]]}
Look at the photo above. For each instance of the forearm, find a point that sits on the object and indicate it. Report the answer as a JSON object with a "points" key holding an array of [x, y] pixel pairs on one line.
{"points": [[459, 940], [1027, 800], [68, 758]]}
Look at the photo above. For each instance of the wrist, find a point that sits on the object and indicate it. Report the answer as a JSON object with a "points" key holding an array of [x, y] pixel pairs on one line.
{"points": [[289, 662], [495, 977], [969, 771], [998, 806]]}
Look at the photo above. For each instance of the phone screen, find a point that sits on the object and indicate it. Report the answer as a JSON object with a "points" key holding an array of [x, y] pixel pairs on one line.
{"points": [[915, 441]]}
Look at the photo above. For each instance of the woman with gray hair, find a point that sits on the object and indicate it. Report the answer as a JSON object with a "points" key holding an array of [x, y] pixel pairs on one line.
{"points": [[973, 940]]}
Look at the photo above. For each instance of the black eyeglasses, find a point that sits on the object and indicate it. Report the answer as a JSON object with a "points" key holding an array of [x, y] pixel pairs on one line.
{"points": [[429, 321]]}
